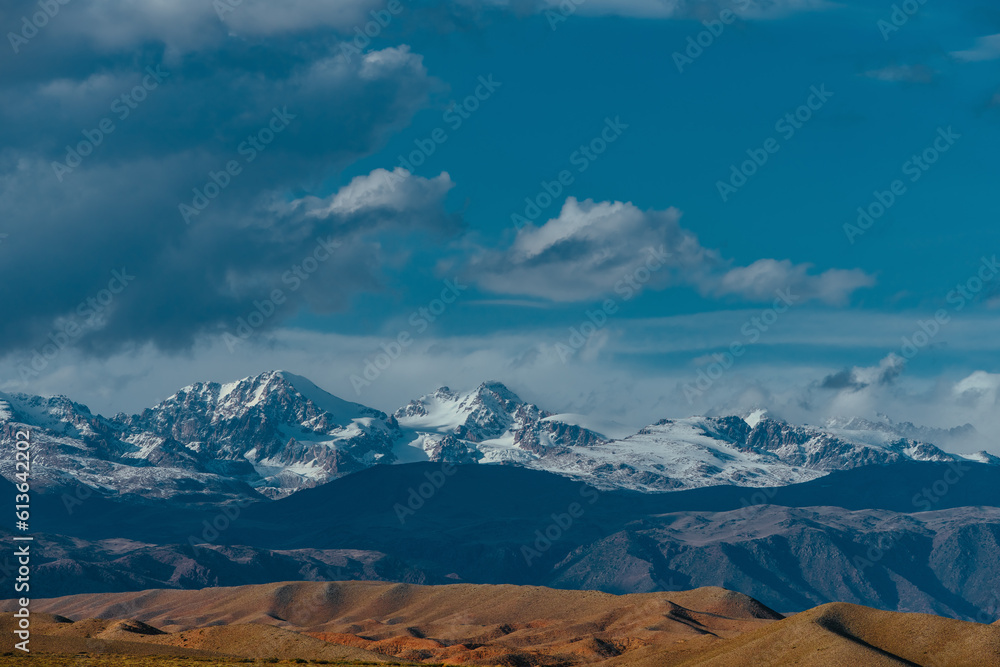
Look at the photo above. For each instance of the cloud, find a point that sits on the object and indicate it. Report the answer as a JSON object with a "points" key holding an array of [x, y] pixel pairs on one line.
{"points": [[382, 192], [986, 48], [659, 9], [979, 388], [902, 74], [182, 27], [760, 280], [343, 107], [190, 25], [197, 279], [859, 377], [594, 249], [585, 251], [120, 205]]}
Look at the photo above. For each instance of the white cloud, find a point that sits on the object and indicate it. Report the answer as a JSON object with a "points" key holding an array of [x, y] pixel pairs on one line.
{"points": [[186, 25], [760, 280], [980, 388], [665, 9], [594, 249], [986, 48], [394, 191], [586, 252]]}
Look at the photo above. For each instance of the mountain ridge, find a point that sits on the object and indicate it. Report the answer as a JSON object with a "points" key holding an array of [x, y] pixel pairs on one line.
{"points": [[523, 626], [274, 434]]}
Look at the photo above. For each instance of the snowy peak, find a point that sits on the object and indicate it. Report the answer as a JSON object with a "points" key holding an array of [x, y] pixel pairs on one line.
{"points": [[342, 411], [486, 413], [489, 425], [277, 431], [296, 398], [54, 413], [498, 390], [821, 448], [755, 416]]}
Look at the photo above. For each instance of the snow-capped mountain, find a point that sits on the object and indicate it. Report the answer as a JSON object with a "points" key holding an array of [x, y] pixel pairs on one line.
{"points": [[271, 435], [277, 431], [705, 451], [884, 430], [488, 425], [73, 448]]}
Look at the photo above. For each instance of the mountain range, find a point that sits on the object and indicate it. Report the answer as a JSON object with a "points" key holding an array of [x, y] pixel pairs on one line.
{"points": [[273, 479], [269, 436], [852, 536]]}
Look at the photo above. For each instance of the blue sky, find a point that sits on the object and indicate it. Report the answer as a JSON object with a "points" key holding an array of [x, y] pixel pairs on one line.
{"points": [[558, 84]]}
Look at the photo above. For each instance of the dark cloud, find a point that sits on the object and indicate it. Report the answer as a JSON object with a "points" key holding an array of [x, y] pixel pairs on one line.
{"points": [[855, 379], [288, 113], [842, 380]]}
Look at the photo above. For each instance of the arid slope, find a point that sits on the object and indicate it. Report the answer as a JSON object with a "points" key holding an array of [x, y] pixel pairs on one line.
{"points": [[517, 626]]}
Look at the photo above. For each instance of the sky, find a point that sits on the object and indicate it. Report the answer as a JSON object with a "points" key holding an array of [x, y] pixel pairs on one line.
{"points": [[635, 210]]}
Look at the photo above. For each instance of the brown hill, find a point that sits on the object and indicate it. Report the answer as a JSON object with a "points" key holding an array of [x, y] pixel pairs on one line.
{"points": [[515, 626], [847, 634], [251, 640], [331, 605], [57, 634], [456, 623]]}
